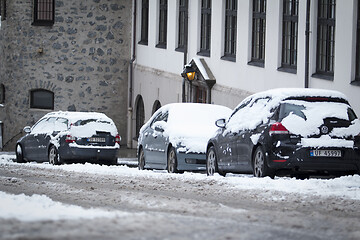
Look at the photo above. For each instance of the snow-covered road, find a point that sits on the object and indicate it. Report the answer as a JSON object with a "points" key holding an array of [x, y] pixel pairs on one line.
{"points": [[158, 205]]}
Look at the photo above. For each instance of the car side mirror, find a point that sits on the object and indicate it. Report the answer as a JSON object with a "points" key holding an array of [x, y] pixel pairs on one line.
{"points": [[27, 129], [220, 123]]}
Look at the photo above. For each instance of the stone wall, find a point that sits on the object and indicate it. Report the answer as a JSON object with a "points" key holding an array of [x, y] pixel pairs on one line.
{"points": [[83, 58]]}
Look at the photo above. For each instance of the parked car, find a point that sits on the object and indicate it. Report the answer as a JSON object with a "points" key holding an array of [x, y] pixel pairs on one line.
{"points": [[61, 137], [175, 137], [287, 131]]}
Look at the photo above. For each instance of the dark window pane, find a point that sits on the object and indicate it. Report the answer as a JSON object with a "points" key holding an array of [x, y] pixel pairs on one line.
{"points": [[357, 63], [144, 22], [258, 31], [230, 28], [326, 37], [162, 24], [44, 12], [290, 35]]}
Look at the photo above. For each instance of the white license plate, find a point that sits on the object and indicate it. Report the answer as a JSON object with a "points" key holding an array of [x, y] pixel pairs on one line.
{"points": [[325, 153], [96, 139]]}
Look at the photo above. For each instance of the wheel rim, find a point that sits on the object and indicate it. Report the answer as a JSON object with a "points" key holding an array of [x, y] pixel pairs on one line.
{"points": [[52, 156], [172, 161], [259, 163], [210, 163]]}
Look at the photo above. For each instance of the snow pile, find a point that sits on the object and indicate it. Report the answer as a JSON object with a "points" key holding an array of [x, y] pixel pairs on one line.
{"points": [[189, 125], [40, 208], [345, 187]]}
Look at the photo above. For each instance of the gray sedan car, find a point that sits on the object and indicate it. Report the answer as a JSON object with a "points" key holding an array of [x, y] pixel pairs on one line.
{"points": [[60, 137], [176, 135]]}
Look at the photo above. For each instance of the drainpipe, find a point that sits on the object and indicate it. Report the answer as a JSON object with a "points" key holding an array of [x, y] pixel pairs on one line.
{"points": [[307, 43], [185, 48], [131, 80]]}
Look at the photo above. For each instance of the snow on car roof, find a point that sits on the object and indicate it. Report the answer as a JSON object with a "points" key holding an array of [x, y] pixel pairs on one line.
{"points": [[75, 116], [192, 124]]}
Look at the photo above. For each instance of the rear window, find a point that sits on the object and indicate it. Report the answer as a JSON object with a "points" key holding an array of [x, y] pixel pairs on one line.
{"points": [[87, 121]]}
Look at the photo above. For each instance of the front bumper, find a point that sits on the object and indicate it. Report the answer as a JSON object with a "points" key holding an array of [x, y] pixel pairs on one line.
{"points": [[191, 161]]}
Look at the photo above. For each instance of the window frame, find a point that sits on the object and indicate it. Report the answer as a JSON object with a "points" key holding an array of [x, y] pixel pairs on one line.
{"points": [[205, 28], [356, 81], [48, 20], [324, 23], [163, 13], [230, 33], [258, 44], [144, 32], [290, 25], [35, 105]]}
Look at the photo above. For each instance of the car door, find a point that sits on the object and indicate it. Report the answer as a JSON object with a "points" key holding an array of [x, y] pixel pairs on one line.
{"points": [[42, 140], [155, 142], [31, 142], [247, 135]]}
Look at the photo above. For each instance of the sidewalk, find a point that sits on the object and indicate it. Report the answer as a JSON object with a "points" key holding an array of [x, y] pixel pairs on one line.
{"points": [[126, 156]]}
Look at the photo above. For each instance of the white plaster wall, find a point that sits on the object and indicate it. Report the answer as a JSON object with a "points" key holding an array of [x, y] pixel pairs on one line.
{"points": [[235, 80]]}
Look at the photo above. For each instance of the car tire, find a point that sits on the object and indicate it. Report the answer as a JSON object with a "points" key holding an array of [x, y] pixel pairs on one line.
{"points": [[211, 162], [172, 161], [19, 154], [53, 156], [260, 168], [141, 160]]}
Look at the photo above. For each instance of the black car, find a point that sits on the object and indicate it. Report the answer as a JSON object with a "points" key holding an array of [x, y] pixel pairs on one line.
{"points": [[287, 131], [61, 137]]}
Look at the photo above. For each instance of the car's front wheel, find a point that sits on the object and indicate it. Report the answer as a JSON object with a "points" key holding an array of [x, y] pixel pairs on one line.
{"points": [[260, 168], [19, 154], [54, 156], [211, 162], [141, 160], [172, 161]]}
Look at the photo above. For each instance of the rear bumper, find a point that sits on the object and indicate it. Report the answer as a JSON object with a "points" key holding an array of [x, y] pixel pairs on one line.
{"points": [[88, 154], [298, 159]]}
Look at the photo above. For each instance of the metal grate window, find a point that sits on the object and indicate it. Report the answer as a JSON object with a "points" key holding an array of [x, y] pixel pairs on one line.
{"points": [[144, 22], [162, 24], [42, 99], [205, 38], [183, 8], [290, 33], [230, 29], [258, 31], [326, 37], [44, 11]]}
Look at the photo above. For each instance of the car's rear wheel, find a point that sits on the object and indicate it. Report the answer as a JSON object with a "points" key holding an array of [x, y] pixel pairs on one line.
{"points": [[19, 154], [141, 160], [172, 161], [54, 156], [260, 168], [211, 162]]}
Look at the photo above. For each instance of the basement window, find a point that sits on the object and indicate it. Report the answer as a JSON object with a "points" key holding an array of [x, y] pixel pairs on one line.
{"points": [[44, 12]]}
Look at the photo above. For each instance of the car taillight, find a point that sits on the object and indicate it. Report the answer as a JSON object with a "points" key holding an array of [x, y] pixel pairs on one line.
{"points": [[278, 128], [117, 139], [70, 139]]}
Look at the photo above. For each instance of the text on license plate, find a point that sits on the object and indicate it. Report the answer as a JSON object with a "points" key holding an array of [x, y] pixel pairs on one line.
{"points": [[325, 153], [96, 139]]}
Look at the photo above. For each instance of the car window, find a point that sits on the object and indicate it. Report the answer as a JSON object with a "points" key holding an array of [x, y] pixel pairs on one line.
{"points": [[162, 116], [61, 124], [287, 108], [44, 126]]}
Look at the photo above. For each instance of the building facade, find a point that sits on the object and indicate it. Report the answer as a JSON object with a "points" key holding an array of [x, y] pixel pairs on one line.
{"points": [[63, 55], [239, 47]]}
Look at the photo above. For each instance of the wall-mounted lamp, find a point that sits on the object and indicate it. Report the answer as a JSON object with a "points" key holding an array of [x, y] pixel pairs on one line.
{"points": [[40, 50], [188, 73]]}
